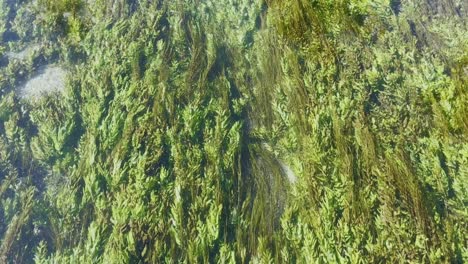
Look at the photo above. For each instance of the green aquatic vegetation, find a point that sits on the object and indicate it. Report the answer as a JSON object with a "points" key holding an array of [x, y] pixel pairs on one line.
{"points": [[181, 123], [5, 9]]}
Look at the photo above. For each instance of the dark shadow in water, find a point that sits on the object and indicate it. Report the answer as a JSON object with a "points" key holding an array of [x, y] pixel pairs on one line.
{"points": [[9, 36], [396, 6], [4, 61]]}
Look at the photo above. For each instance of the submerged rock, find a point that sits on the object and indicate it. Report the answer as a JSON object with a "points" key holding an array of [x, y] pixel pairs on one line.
{"points": [[49, 79]]}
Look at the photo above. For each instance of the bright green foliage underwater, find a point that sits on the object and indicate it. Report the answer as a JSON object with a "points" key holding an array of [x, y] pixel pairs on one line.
{"points": [[222, 131]]}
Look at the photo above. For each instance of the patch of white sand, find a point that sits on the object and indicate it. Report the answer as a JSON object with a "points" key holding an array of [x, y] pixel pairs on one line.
{"points": [[289, 173], [49, 79], [292, 178], [23, 54]]}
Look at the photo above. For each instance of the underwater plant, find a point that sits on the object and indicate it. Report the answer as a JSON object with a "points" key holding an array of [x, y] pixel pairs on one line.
{"points": [[261, 131]]}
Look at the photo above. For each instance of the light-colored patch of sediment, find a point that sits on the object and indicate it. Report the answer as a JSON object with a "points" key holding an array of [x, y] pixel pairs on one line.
{"points": [[23, 54], [292, 178], [49, 79]]}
